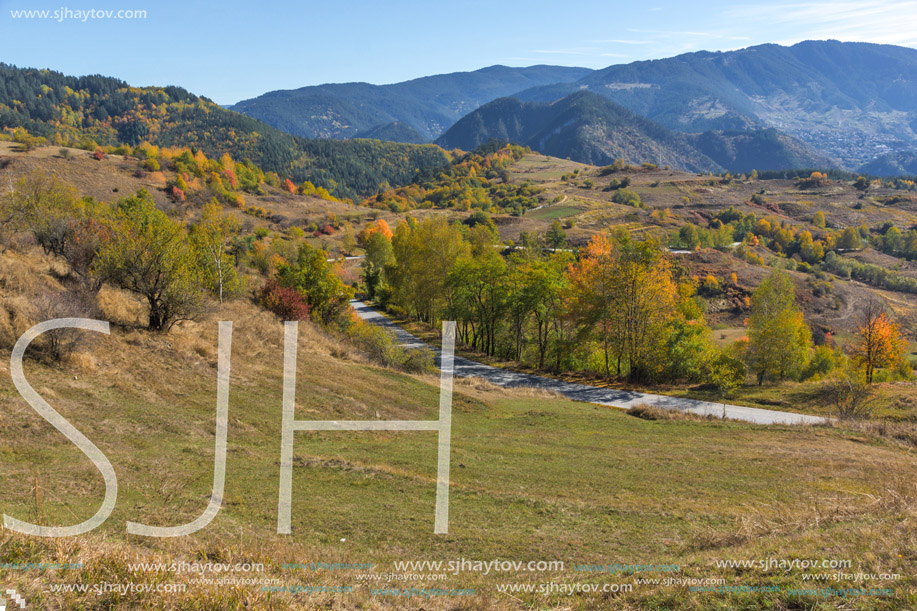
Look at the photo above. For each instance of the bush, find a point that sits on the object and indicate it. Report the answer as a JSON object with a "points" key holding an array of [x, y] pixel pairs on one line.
{"points": [[150, 254], [287, 303], [823, 361], [627, 197], [651, 412], [380, 345], [710, 286], [59, 344], [848, 396]]}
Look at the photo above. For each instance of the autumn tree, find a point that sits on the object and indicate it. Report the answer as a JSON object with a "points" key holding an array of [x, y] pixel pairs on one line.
{"points": [[379, 226], [593, 286], [38, 201], [325, 293], [625, 296], [62, 223], [212, 238], [850, 239], [425, 253], [818, 219], [814, 181], [480, 295], [879, 342], [725, 372], [150, 254], [542, 283], [349, 240], [778, 337]]}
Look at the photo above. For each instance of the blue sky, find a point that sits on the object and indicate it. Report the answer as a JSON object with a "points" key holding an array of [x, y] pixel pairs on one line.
{"points": [[230, 51]]}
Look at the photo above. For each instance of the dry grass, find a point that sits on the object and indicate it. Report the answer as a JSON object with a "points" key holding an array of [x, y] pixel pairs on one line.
{"points": [[479, 387], [904, 433], [651, 412]]}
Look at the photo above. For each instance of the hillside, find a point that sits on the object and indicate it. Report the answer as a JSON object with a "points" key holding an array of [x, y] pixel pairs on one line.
{"points": [[518, 468], [428, 105], [583, 127], [89, 111], [532, 474], [396, 131], [590, 129], [770, 221], [757, 149], [892, 164], [850, 101]]}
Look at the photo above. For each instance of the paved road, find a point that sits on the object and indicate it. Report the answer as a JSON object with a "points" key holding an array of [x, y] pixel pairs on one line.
{"points": [[583, 392]]}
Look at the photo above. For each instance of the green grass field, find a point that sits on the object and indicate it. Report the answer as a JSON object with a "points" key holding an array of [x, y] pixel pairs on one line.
{"points": [[533, 478], [554, 212]]}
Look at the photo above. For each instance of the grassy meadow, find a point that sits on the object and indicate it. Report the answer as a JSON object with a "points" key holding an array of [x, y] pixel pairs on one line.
{"points": [[534, 477]]}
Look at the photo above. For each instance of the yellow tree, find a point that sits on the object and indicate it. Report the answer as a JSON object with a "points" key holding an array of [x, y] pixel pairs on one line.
{"points": [[879, 342], [212, 237], [624, 295], [592, 287]]}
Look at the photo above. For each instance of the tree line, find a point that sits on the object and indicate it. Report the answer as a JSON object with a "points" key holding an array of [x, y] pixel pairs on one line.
{"points": [[618, 308]]}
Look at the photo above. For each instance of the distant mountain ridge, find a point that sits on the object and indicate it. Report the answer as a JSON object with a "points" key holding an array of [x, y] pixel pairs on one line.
{"points": [[591, 129], [428, 105], [850, 101], [903, 163]]}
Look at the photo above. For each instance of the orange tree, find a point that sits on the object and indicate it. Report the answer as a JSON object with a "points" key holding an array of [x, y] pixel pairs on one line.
{"points": [[879, 342]]}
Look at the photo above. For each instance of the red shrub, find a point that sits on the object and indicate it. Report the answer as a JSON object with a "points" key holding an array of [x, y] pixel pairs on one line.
{"points": [[328, 230], [98, 155], [176, 194], [285, 302], [231, 177], [289, 186]]}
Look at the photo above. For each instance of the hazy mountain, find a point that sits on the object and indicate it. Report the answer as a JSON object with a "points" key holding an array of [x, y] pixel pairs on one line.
{"points": [[429, 105], [893, 164], [758, 149], [583, 126], [589, 128], [851, 101]]}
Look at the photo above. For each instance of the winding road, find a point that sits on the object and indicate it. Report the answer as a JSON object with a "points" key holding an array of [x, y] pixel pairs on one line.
{"points": [[582, 392]]}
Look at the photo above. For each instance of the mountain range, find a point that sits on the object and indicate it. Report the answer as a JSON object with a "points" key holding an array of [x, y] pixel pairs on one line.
{"points": [[844, 104], [851, 101], [591, 129], [816, 104], [428, 105]]}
